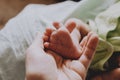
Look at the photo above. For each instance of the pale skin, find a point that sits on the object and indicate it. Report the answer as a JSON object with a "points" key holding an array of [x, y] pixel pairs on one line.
{"points": [[65, 40], [48, 65], [61, 42]]}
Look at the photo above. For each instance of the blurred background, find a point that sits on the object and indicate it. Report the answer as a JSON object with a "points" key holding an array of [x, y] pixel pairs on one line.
{"points": [[10, 8]]}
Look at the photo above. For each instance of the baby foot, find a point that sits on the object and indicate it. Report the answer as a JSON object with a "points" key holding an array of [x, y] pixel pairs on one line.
{"points": [[61, 42]]}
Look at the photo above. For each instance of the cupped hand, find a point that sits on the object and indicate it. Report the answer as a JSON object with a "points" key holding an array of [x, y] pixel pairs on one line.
{"points": [[47, 65], [67, 39]]}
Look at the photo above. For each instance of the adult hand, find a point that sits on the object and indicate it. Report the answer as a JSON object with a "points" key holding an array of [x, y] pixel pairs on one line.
{"points": [[47, 65]]}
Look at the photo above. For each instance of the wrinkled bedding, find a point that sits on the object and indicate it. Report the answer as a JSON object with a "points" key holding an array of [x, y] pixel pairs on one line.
{"points": [[20, 31]]}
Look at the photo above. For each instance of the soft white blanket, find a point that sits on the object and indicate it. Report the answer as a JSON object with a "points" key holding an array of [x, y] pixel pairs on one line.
{"points": [[20, 31]]}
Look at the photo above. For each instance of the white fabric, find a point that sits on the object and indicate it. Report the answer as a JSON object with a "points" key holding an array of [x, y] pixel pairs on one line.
{"points": [[20, 31]]}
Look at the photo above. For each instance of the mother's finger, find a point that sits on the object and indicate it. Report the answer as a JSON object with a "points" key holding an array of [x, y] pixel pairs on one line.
{"points": [[89, 49]]}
